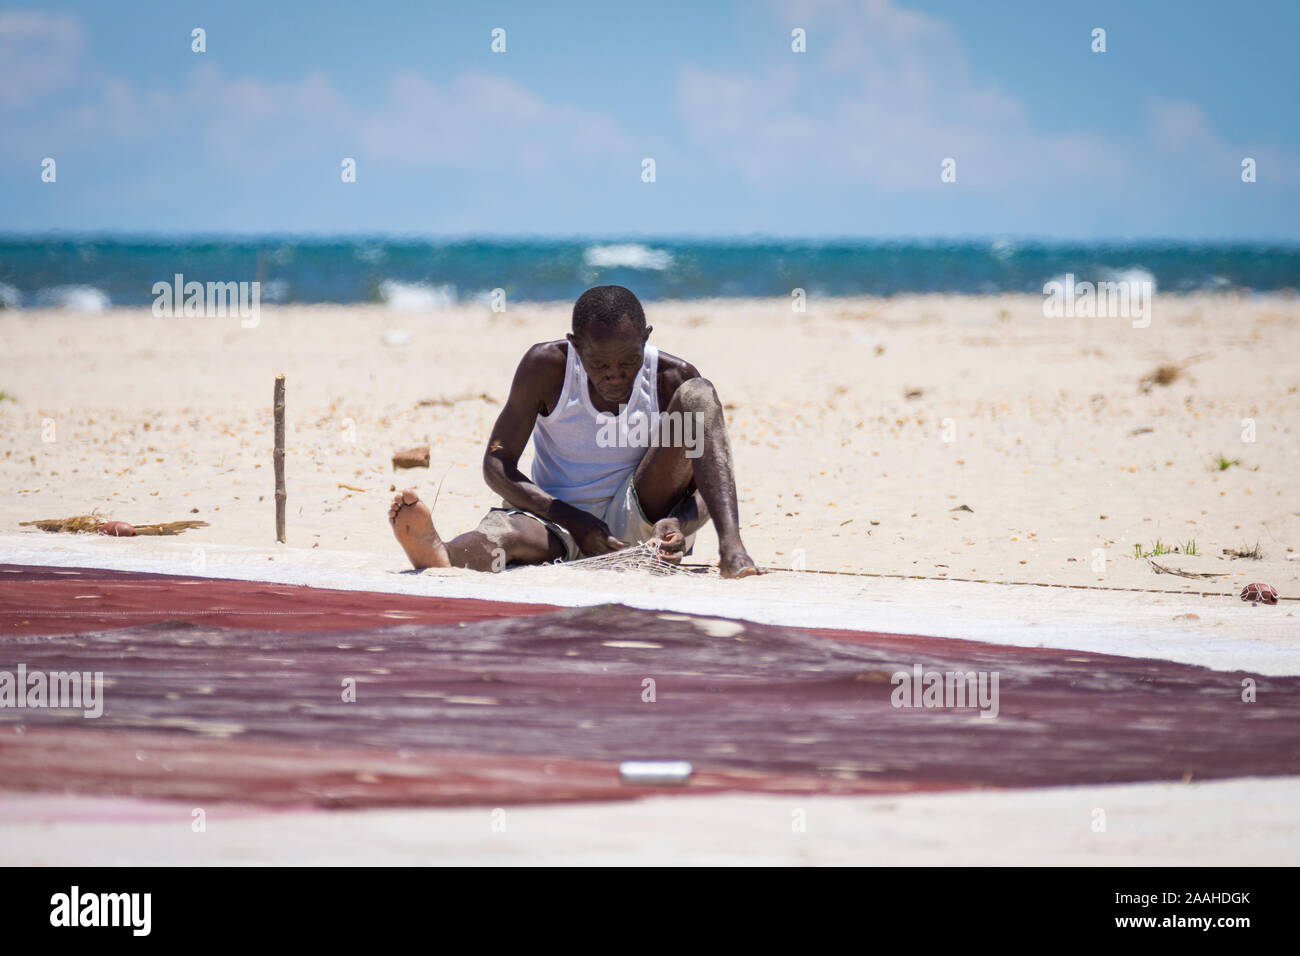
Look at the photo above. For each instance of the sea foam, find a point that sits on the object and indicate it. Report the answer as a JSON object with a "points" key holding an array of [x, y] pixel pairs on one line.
{"points": [[416, 295], [78, 298], [628, 256]]}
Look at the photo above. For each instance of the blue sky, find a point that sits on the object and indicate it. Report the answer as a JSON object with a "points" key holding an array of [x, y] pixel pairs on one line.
{"points": [[1050, 139]]}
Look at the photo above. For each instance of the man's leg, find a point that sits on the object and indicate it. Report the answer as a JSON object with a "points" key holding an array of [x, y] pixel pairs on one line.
{"points": [[696, 423], [499, 539]]}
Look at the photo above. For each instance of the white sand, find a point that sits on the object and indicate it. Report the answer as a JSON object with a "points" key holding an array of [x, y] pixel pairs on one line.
{"points": [[158, 420], [166, 419], [155, 417], [1248, 822]]}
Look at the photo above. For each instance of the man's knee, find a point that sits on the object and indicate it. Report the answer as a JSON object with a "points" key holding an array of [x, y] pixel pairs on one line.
{"points": [[697, 395], [515, 537], [494, 538]]}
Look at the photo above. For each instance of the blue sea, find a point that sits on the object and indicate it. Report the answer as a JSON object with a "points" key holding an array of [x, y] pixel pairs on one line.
{"points": [[92, 273]]}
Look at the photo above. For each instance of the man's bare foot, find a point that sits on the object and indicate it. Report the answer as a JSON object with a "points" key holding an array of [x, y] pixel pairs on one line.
{"points": [[736, 563], [412, 522], [669, 538]]}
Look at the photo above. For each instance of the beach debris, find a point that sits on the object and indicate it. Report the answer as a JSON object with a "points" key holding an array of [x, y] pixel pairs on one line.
{"points": [[1141, 431], [1259, 594], [446, 402], [94, 523], [351, 487], [1163, 375], [1187, 617], [168, 527], [77, 524], [963, 508], [1161, 569], [654, 772], [1243, 552], [417, 457], [1170, 372], [914, 393]]}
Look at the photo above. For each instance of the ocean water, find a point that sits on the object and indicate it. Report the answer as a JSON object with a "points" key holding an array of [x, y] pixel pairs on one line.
{"points": [[94, 273]]}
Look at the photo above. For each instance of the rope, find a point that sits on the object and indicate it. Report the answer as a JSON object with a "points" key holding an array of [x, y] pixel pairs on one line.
{"points": [[1036, 584]]}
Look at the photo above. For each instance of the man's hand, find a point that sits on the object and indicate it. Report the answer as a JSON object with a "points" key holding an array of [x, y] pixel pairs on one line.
{"points": [[672, 543], [592, 534]]}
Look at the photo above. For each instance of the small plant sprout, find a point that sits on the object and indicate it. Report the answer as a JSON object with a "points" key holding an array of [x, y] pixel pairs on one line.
{"points": [[1160, 547]]}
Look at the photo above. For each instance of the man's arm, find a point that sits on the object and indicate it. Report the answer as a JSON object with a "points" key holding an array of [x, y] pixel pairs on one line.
{"points": [[534, 380], [673, 371]]}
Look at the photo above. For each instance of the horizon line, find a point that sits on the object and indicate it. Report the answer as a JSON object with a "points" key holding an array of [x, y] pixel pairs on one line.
{"points": [[703, 238]]}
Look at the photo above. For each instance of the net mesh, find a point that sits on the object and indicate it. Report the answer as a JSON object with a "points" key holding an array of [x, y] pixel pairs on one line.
{"points": [[645, 557]]}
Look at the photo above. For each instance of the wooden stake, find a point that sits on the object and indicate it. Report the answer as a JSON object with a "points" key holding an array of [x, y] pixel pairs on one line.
{"points": [[280, 495]]}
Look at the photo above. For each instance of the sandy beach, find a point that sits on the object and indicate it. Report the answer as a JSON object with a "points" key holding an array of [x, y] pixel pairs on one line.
{"points": [[860, 428], [838, 420], [1148, 825]]}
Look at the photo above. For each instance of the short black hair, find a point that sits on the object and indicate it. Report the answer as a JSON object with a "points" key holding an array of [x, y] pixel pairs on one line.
{"points": [[606, 305]]}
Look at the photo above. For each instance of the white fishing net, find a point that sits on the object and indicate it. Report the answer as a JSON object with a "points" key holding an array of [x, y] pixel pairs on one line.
{"points": [[643, 557]]}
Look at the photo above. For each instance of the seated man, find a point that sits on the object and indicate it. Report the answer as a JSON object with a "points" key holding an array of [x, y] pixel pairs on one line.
{"points": [[610, 468]]}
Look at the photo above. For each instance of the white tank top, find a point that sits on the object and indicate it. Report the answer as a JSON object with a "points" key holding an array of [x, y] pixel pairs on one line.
{"points": [[581, 455]]}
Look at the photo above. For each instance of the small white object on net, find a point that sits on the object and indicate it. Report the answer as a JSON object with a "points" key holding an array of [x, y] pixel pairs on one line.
{"points": [[639, 557]]}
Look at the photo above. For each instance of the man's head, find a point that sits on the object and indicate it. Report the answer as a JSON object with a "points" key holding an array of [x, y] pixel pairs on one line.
{"points": [[609, 333]]}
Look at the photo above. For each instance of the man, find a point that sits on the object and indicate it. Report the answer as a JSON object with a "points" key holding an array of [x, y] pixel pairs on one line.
{"points": [[630, 445]]}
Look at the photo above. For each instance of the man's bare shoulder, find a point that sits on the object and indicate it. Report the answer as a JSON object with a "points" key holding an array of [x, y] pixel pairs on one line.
{"points": [[672, 372], [546, 358], [541, 373]]}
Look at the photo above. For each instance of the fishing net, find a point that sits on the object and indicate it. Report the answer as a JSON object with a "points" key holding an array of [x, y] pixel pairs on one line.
{"points": [[644, 557]]}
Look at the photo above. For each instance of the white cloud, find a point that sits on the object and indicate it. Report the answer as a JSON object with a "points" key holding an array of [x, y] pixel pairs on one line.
{"points": [[38, 55], [883, 95], [474, 121], [480, 120], [1181, 128]]}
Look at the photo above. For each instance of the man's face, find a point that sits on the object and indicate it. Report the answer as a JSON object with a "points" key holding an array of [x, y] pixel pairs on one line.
{"points": [[612, 357]]}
